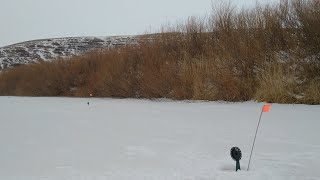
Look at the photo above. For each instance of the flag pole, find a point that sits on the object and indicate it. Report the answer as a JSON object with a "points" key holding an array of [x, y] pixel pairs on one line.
{"points": [[255, 136], [264, 109]]}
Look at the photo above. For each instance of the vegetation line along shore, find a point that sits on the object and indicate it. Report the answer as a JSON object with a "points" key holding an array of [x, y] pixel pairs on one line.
{"points": [[268, 53]]}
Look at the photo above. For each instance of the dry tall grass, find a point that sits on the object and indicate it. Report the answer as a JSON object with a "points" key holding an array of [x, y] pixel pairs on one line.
{"points": [[269, 53]]}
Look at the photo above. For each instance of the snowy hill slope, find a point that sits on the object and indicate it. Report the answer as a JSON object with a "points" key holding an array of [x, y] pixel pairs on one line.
{"points": [[64, 138], [48, 49]]}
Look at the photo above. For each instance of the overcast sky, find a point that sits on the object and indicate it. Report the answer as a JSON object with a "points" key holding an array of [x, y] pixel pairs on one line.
{"points": [[23, 20]]}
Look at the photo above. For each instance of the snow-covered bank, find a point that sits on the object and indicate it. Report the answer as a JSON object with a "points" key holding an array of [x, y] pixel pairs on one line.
{"points": [[64, 138]]}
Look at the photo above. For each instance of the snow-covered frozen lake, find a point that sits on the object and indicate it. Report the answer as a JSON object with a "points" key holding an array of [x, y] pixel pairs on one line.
{"points": [[65, 139]]}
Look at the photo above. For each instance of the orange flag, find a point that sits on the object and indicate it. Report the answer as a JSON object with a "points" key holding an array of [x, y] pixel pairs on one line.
{"points": [[266, 108]]}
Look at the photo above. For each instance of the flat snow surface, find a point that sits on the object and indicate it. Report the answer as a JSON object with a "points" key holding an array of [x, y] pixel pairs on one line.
{"points": [[65, 139]]}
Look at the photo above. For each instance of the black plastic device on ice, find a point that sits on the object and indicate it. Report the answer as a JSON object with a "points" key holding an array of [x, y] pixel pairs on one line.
{"points": [[236, 155]]}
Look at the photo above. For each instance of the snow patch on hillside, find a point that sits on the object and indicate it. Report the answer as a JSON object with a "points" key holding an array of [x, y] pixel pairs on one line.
{"points": [[49, 49]]}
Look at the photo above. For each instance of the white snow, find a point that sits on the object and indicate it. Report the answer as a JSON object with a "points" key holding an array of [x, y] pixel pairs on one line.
{"points": [[65, 139]]}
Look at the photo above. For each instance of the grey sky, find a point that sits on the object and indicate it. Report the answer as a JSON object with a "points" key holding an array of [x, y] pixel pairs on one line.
{"points": [[23, 20]]}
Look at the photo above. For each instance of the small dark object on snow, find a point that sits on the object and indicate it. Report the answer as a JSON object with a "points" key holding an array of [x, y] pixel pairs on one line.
{"points": [[88, 103], [236, 155]]}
